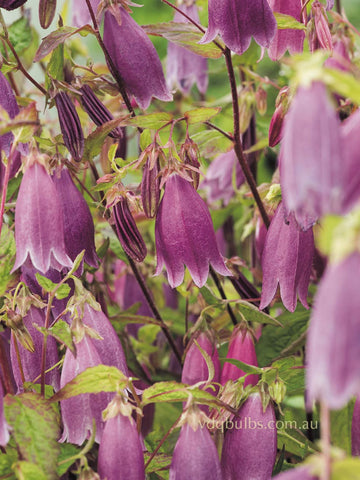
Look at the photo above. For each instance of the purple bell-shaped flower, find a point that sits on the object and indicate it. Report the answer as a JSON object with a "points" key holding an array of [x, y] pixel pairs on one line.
{"points": [[39, 228], [184, 68], [135, 59], [333, 362], [287, 39], [286, 260], [184, 234], [78, 223], [239, 20]]}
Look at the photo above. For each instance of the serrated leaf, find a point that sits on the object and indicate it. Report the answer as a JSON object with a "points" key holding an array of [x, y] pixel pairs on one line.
{"points": [[28, 471], [95, 141], [67, 451], [20, 35], [287, 22], [61, 331], [7, 257], [159, 462], [63, 291], [253, 314], [186, 35], [162, 392], [35, 429], [244, 366], [50, 42], [346, 469], [101, 378], [341, 422], [199, 115], [45, 283], [154, 121]]}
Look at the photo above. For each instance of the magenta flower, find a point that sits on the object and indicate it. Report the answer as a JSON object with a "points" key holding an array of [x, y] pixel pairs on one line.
{"points": [[135, 59], [184, 68], [78, 412], [78, 223], [311, 165], [218, 181], [39, 229], [239, 20], [70, 125], [11, 4], [355, 429], [81, 15], [195, 455], [288, 39], [242, 348], [4, 428], [195, 368], [286, 260], [31, 361], [249, 449], [120, 453], [333, 362], [184, 234]]}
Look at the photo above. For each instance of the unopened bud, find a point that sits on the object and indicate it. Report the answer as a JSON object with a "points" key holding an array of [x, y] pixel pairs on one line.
{"points": [[277, 391], [97, 111], [190, 154], [278, 117], [322, 28], [47, 9], [150, 188], [261, 100], [246, 105], [70, 125], [127, 231]]}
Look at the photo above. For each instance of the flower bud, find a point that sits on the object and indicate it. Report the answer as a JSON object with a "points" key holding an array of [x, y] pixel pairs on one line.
{"points": [[246, 105], [70, 125], [190, 154], [47, 9], [97, 111], [322, 30], [127, 231], [261, 100], [150, 188]]}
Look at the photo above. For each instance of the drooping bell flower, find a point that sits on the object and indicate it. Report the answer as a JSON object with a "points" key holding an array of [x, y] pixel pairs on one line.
{"points": [[120, 454], [109, 348], [184, 68], [286, 260], [184, 235], [350, 129], [195, 454], [218, 182], [340, 59], [31, 360], [355, 430], [239, 20], [70, 125], [135, 59], [311, 156], [11, 4], [78, 412], [287, 39], [39, 228], [150, 188], [333, 362], [195, 368], [249, 449], [127, 231], [97, 111], [300, 473], [242, 348], [78, 223], [4, 428]]}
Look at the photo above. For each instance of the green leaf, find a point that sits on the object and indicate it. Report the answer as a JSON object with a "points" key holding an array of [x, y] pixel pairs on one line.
{"points": [[56, 38], [200, 115], [45, 283], [253, 314], [209, 296], [35, 429], [341, 421], [133, 318], [293, 377], [28, 471], [342, 83], [287, 21], [65, 459], [55, 68], [244, 366], [7, 460], [346, 469], [7, 254], [61, 331], [186, 35], [145, 139], [76, 263], [277, 342], [95, 141], [296, 442], [176, 392], [161, 461], [20, 34], [101, 378], [211, 143], [153, 121], [63, 291]]}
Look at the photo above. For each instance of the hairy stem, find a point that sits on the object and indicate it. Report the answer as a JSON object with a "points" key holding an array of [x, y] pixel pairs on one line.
{"points": [[237, 139]]}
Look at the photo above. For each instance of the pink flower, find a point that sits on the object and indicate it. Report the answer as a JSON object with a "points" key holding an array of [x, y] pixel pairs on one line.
{"points": [[184, 234]]}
